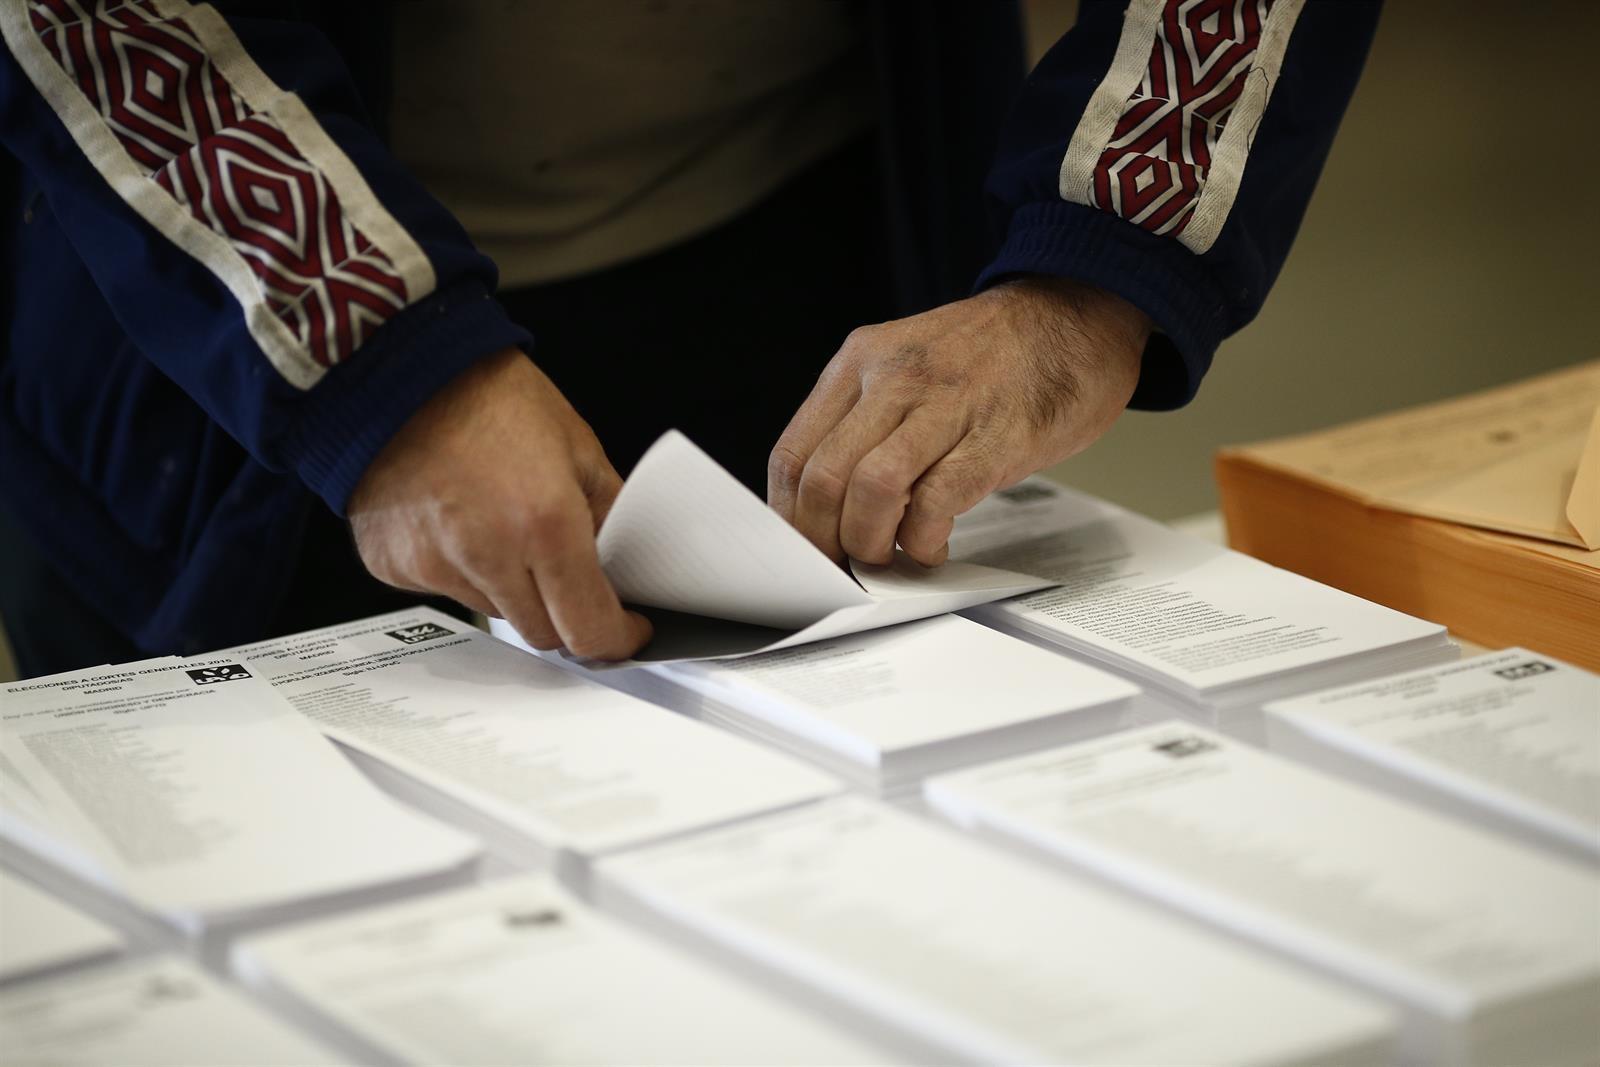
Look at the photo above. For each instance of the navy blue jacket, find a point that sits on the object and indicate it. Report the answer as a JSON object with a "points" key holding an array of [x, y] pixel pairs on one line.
{"points": [[222, 295]]}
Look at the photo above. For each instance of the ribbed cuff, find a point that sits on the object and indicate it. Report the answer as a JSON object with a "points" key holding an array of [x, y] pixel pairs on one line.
{"points": [[1156, 274], [358, 406]]}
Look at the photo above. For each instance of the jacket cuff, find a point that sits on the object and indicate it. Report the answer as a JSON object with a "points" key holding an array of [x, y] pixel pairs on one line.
{"points": [[361, 404], [1155, 274]]}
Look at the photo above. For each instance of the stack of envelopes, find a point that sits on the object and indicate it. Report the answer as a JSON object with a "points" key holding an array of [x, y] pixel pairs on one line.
{"points": [[1482, 513]]}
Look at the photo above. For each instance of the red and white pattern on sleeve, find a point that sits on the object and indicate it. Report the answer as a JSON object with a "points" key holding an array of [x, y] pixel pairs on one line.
{"points": [[1164, 140], [164, 78]]}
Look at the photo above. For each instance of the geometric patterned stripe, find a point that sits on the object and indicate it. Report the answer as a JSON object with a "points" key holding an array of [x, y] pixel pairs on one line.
{"points": [[1152, 171], [234, 170], [318, 273], [1164, 139], [150, 79]]}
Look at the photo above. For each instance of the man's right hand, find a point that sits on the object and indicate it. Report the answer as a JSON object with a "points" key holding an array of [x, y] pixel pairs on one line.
{"points": [[492, 494]]}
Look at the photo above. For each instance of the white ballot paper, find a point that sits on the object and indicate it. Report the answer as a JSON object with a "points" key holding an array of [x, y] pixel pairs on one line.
{"points": [[38, 932], [719, 573], [886, 707], [151, 1012], [1214, 628], [991, 957], [1494, 947], [1513, 735], [192, 788], [519, 972], [529, 753]]}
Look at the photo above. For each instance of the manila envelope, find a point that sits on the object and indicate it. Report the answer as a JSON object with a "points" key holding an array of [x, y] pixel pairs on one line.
{"points": [[1523, 458]]}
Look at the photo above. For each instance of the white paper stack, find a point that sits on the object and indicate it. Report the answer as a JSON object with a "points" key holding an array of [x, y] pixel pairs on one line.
{"points": [[988, 956], [1218, 632], [1510, 739], [549, 765], [888, 707], [39, 933], [192, 789], [1492, 947], [520, 972], [152, 1012]]}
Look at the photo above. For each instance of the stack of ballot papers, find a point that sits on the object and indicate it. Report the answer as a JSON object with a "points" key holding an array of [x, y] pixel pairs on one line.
{"points": [[1213, 630], [518, 972], [1494, 948], [39, 933], [191, 788], [887, 707], [1509, 739], [151, 1012], [543, 763], [987, 956]]}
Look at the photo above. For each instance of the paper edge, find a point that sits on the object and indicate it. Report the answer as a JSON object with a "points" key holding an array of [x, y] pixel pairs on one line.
{"points": [[1583, 503]]}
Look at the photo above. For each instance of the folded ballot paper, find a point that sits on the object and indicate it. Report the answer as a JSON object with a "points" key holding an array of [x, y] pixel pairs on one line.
{"points": [[1493, 948], [519, 972], [149, 1012], [39, 933], [193, 789], [1509, 739], [719, 573], [983, 956], [536, 759], [1216, 632], [889, 706]]}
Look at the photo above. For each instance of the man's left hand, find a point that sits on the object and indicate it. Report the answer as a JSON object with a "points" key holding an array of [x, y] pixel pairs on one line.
{"points": [[915, 421]]}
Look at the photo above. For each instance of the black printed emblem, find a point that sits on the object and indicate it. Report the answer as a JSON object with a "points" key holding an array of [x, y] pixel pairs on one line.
{"points": [[1524, 670], [1180, 747], [422, 631], [535, 918], [228, 672]]}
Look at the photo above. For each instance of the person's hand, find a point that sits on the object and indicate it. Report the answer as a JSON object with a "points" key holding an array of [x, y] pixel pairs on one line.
{"points": [[915, 421], [492, 494]]}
